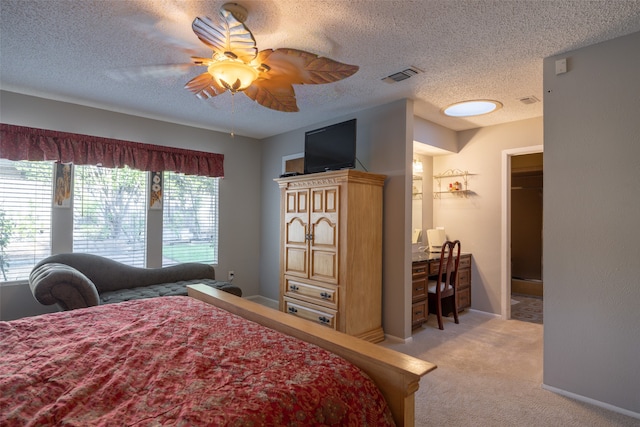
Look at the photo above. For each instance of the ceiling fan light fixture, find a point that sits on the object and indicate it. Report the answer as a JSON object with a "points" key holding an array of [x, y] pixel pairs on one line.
{"points": [[233, 75], [476, 107], [265, 76]]}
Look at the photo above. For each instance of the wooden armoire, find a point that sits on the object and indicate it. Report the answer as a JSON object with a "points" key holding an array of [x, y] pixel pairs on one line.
{"points": [[331, 250]]}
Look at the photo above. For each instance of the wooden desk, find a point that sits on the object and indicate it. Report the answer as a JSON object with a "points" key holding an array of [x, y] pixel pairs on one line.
{"points": [[425, 266]]}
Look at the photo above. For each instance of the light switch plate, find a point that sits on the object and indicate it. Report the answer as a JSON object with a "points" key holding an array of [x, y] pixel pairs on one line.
{"points": [[561, 66]]}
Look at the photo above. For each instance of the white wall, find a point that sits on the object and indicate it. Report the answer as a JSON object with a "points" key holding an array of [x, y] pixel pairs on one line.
{"points": [[432, 135], [476, 220], [591, 229], [384, 145], [422, 204], [240, 198]]}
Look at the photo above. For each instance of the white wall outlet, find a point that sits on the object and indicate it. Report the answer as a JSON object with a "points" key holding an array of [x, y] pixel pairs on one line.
{"points": [[231, 275]]}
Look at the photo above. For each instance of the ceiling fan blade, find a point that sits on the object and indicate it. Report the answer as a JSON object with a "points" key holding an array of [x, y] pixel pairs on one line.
{"points": [[149, 71], [228, 35], [204, 86], [209, 33], [300, 67], [276, 94], [169, 31]]}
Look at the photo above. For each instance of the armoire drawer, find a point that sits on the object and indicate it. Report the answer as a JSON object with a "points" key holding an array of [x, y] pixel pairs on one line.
{"points": [[315, 314], [326, 296]]}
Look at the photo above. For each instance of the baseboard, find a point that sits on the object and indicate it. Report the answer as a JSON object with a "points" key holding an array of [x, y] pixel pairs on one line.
{"points": [[484, 312], [267, 302], [397, 340], [591, 401]]}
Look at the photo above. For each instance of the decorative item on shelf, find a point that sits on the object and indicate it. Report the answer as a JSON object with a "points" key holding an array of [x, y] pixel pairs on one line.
{"points": [[460, 188], [417, 188], [417, 168], [454, 186]]}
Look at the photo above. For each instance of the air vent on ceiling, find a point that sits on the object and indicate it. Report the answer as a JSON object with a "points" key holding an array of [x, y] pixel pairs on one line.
{"points": [[402, 75], [529, 100]]}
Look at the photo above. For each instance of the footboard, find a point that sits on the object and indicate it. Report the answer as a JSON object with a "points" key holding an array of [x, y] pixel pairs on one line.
{"points": [[396, 374]]}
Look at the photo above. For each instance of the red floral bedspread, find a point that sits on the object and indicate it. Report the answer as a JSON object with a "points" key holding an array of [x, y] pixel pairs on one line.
{"points": [[173, 361]]}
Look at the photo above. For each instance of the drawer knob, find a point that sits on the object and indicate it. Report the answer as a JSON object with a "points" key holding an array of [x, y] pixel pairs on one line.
{"points": [[325, 295], [293, 288], [420, 289], [418, 313], [324, 320], [292, 310]]}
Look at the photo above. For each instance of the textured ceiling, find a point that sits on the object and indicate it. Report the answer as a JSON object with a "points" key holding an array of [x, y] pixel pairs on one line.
{"points": [[112, 54]]}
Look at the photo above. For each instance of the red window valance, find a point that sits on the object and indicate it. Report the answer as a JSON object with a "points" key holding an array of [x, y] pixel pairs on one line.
{"points": [[24, 143]]}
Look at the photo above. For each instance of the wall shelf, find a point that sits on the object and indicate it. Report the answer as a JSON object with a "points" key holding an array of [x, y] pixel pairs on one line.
{"points": [[452, 185], [417, 187]]}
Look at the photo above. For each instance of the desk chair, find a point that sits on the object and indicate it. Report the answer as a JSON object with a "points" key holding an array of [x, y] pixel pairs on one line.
{"points": [[444, 287]]}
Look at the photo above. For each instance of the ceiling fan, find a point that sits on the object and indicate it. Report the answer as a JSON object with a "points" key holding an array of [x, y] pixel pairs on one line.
{"points": [[265, 76]]}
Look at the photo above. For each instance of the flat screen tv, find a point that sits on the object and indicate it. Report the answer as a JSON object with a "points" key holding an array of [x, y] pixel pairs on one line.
{"points": [[330, 148]]}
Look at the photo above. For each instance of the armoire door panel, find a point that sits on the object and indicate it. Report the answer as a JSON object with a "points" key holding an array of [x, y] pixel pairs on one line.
{"points": [[296, 201], [325, 234], [324, 266], [317, 200], [296, 261], [296, 232], [331, 200], [291, 202], [303, 201]]}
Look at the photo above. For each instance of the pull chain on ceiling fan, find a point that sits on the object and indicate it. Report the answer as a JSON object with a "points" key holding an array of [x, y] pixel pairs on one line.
{"points": [[265, 76]]}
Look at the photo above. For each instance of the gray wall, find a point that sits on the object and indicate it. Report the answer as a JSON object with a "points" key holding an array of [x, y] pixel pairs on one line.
{"points": [[425, 132], [240, 198], [591, 230], [384, 145]]}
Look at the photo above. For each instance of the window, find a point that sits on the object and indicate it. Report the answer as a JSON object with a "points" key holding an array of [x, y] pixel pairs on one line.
{"points": [[25, 216], [190, 219], [109, 209], [109, 213]]}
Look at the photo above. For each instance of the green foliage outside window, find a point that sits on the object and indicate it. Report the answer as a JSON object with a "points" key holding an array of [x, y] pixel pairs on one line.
{"points": [[6, 228], [114, 192]]}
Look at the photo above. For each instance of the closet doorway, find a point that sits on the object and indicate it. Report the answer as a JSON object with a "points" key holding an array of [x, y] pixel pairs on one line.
{"points": [[522, 167], [526, 237]]}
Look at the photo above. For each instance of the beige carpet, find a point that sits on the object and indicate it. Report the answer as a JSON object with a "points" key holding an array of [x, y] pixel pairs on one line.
{"points": [[490, 374]]}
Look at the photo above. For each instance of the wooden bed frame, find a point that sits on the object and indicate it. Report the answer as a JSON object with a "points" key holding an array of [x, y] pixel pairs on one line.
{"points": [[397, 375]]}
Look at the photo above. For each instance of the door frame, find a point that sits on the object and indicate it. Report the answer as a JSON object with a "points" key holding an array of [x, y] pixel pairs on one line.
{"points": [[505, 239]]}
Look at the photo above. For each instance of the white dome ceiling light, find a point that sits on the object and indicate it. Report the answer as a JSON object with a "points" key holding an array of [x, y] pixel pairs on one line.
{"points": [[472, 108]]}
